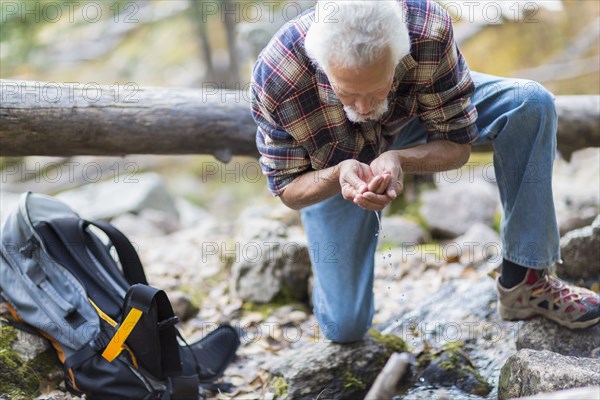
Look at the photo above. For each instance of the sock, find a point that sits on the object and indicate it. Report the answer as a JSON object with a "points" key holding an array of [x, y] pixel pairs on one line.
{"points": [[512, 274]]}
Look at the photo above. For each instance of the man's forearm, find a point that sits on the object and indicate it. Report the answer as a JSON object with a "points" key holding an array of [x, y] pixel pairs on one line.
{"points": [[315, 186], [440, 155], [311, 187]]}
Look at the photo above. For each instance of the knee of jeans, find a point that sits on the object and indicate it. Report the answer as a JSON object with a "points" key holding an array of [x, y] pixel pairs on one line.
{"points": [[538, 101], [345, 328]]}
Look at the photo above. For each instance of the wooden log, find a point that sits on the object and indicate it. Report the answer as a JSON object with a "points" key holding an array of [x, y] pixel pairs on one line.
{"points": [[385, 385], [66, 119], [578, 123], [72, 119]]}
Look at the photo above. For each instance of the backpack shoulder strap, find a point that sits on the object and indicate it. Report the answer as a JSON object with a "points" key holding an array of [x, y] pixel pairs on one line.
{"points": [[130, 261], [71, 230]]}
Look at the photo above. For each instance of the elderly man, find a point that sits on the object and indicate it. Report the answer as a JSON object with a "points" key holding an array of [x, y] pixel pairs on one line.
{"points": [[352, 95]]}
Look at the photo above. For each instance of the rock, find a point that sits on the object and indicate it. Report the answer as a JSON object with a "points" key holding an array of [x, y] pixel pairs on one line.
{"points": [[452, 368], [457, 301], [400, 231], [463, 310], [453, 209], [529, 372], [590, 392], [271, 260], [479, 243], [332, 370], [29, 346], [580, 252], [543, 334], [56, 395], [148, 223], [106, 200], [570, 221], [191, 216], [276, 212], [188, 258], [297, 317], [51, 175], [21, 377], [182, 305]]}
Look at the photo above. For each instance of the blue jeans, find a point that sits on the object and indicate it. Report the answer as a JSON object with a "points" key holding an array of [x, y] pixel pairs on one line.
{"points": [[519, 119]]}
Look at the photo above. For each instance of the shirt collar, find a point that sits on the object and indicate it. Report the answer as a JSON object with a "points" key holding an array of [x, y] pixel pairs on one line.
{"points": [[327, 95]]}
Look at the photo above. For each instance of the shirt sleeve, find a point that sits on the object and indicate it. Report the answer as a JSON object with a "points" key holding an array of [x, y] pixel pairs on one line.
{"points": [[282, 159], [445, 105]]}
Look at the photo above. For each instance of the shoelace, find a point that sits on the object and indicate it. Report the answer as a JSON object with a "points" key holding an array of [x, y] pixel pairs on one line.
{"points": [[560, 291]]}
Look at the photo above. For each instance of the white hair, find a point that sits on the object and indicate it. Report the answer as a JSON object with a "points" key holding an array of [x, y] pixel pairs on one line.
{"points": [[356, 33]]}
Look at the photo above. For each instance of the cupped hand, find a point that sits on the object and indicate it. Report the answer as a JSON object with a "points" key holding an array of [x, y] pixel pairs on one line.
{"points": [[389, 163], [354, 178]]}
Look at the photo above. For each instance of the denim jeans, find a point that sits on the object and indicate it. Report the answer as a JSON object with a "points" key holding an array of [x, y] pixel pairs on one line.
{"points": [[519, 118]]}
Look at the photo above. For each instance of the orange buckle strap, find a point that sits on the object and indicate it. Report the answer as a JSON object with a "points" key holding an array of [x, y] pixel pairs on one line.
{"points": [[117, 343]]}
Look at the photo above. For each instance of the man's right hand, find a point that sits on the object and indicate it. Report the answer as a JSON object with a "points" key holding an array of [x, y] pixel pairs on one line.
{"points": [[354, 178]]}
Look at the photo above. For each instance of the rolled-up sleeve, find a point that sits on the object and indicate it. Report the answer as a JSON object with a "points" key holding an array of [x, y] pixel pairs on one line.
{"points": [[282, 158], [445, 104]]}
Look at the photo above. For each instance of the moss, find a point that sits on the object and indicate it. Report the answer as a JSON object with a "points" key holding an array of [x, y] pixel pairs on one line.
{"points": [[392, 343], [453, 352], [457, 362], [20, 379], [264, 309], [480, 159], [484, 387], [352, 381], [283, 298], [280, 386], [198, 292], [424, 358], [497, 221]]}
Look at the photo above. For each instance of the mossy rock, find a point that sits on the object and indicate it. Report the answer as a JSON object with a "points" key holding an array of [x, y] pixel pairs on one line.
{"points": [[452, 367], [20, 379], [332, 370], [392, 343]]}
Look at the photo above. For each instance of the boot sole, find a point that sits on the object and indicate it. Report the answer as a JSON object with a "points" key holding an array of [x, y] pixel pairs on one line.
{"points": [[512, 314]]}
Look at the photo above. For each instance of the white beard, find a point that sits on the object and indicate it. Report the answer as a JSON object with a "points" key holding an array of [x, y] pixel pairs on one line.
{"points": [[377, 113]]}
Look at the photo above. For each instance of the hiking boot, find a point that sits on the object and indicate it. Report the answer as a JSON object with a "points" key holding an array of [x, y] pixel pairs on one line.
{"points": [[543, 294]]}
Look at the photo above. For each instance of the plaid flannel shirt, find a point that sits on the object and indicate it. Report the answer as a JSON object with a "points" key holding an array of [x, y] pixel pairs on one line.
{"points": [[302, 125]]}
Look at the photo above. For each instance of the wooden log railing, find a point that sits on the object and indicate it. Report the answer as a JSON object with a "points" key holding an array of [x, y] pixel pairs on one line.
{"points": [[65, 119]]}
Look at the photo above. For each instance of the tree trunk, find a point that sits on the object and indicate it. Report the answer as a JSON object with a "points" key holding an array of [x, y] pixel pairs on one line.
{"points": [[53, 119]]}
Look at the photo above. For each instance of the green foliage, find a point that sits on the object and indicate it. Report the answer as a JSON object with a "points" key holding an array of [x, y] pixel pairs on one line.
{"points": [[280, 386], [496, 224], [392, 343], [352, 381]]}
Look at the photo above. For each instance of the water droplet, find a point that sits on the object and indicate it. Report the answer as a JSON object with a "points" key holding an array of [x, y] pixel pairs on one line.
{"points": [[421, 379]]}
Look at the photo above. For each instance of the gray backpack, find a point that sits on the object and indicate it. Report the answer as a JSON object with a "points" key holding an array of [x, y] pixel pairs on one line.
{"points": [[114, 334]]}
